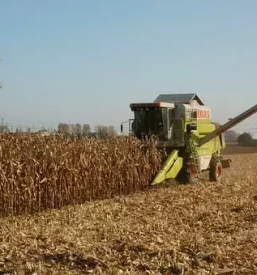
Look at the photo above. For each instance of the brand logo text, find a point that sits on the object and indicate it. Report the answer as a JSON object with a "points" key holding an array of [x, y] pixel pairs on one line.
{"points": [[203, 114]]}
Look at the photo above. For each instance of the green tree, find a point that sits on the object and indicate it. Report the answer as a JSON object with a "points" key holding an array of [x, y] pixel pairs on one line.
{"points": [[246, 139]]}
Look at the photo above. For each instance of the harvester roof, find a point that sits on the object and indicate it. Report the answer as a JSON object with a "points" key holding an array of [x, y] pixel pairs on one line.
{"points": [[154, 105], [179, 98]]}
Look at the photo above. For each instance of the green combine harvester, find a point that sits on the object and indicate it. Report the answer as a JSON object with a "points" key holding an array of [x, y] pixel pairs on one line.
{"points": [[186, 133]]}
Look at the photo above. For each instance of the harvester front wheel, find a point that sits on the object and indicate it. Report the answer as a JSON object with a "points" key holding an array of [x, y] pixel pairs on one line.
{"points": [[187, 175], [191, 178], [215, 171]]}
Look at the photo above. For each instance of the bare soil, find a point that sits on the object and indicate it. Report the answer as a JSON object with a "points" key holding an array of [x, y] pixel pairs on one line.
{"points": [[207, 228], [235, 149]]}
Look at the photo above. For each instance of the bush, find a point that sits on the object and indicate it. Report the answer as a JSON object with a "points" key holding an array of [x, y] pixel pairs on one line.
{"points": [[246, 140]]}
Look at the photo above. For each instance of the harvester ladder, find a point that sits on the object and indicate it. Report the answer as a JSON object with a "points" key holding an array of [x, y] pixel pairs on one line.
{"points": [[194, 158]]}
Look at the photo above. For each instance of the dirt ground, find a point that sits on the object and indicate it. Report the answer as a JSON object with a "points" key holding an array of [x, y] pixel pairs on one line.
{"points": [[235, 149], [207, 228]]}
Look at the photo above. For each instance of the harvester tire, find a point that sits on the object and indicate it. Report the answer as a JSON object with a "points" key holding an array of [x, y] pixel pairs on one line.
{"points": [[191, 176], [186, 175], [216, 171]]}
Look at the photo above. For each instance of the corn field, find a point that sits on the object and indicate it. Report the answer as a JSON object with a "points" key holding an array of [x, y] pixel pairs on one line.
{"points": [[39, 173]]}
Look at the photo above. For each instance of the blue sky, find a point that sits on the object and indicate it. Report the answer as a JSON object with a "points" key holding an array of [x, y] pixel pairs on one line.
{"points": [[86, 60]]}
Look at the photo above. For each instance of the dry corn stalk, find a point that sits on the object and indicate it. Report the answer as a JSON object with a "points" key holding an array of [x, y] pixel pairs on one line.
{"points": [[38, 173]]}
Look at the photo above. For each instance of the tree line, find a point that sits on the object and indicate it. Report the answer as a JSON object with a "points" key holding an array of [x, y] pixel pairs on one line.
{"points": [[84, 131], [80, 131], [77, 130], [245, 139]]}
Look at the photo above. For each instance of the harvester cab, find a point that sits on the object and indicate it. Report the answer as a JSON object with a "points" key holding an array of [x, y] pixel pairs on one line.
{"points": [[171, 118], [184, 128]]}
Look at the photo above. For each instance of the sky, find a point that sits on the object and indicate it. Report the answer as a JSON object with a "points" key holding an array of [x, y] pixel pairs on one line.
{"points": [[85, 61]]}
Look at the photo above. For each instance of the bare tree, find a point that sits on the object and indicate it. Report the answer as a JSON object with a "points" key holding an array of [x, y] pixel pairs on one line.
{"points": [[86, 130], [78, 130], [111, 131], [72, 130], [19, 129], [4, 129], [63, 128], [105, 131], [231, 136]]}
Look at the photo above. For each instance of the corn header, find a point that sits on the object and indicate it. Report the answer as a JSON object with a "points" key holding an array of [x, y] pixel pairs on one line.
{"points": [[186, 133]]}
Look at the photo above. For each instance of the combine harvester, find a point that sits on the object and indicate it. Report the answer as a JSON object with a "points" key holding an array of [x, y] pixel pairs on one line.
{"points": [[185, 131]]}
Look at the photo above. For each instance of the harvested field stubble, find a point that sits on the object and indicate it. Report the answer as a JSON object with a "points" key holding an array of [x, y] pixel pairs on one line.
{"points": [[38, 173]]}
